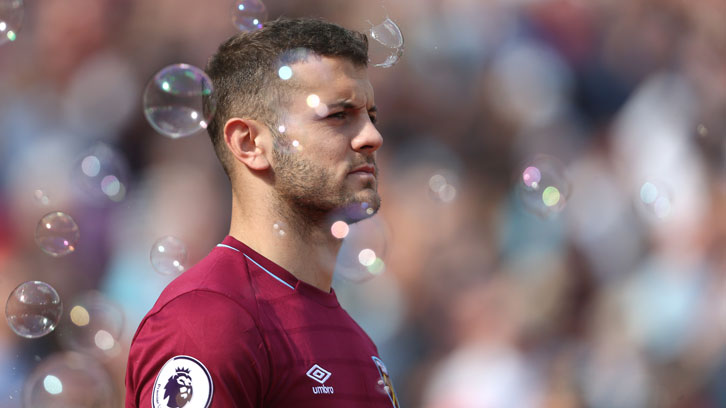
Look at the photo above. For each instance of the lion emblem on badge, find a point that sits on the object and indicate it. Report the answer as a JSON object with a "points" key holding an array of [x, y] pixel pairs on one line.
{"points": [[178, 389]]}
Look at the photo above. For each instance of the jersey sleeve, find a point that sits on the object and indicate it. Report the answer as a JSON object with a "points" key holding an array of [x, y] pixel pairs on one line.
{"points": [[197, 338]]}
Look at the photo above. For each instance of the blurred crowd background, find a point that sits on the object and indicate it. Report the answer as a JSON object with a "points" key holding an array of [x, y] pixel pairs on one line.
{"points": [[485, 300]]}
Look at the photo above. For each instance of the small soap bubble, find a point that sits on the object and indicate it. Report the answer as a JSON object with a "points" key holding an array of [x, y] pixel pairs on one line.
{"points": [[111, 186], [90, 166], [702, 130], [33, 309], [313, 100], [322, 110], [279, 229], [339, 229], [385, 44], [655, 199], [437, 182], [93, 326], [376, 267], [41, 197], [531, 177], [286, 145], [442, 186], [57, 234], [353, 213], [285, 72], [100, 175], [173, 100], [367, 257], [11, 19], [249, 15], [363, 251], [68, 379], [169, 256], [543, 185]]}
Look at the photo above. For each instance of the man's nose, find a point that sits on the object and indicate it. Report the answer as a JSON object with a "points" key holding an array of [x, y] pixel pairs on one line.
{"points": [[368, 140]]}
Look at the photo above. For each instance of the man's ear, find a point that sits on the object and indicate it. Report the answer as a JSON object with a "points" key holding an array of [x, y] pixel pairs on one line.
{"points": [[249, 141]]}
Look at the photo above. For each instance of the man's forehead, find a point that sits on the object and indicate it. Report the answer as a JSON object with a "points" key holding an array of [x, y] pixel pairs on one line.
{"points": [[332, 77]]}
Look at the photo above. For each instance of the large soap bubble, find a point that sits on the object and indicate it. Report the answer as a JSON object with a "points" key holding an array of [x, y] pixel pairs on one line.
{"points": [[248, 15], [57, 234], [33, 309], [68, 380], [173, 100], [169, 256], [100, 175], [386, 47], [93, 325], [365, 243]]}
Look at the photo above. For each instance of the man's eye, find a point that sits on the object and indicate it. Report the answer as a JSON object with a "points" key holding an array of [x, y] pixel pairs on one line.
{"points": [[338, 115], [374, 119]]}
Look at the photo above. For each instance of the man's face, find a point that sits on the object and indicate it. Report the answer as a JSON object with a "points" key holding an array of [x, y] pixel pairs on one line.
{"points": [[325, 158]]}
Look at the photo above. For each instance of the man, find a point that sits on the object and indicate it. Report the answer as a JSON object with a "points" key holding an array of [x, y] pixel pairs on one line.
{"points": [[256, 323]]}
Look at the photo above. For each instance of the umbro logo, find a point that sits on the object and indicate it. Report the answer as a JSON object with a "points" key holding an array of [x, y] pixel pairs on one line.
{"points": [[320, 375]]}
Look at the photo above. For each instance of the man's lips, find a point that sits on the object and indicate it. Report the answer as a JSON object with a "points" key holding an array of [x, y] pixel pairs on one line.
{"points": [[366, 169]]}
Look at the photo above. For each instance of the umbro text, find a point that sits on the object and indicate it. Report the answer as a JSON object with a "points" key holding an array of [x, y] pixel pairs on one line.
{"points": [[321, 389]]}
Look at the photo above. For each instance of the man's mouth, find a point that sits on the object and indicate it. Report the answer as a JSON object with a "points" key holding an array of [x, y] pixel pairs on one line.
{"points": [[365, 169]]}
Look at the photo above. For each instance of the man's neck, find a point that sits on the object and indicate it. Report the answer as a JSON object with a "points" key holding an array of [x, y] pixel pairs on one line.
{"points": [[308, 253]]}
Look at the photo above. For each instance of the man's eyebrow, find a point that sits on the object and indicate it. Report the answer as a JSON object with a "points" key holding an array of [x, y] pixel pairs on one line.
{"points": [[348, 104]]}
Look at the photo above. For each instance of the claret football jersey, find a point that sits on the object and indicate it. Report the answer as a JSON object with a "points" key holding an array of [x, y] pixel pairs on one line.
{"points": [[237, 330]]}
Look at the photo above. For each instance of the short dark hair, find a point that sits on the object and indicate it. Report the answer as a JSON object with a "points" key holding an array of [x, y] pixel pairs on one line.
{"points": [[244, 69]]}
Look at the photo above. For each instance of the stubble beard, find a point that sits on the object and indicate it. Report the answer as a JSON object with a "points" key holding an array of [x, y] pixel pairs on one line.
{"points": [[309, 197]]}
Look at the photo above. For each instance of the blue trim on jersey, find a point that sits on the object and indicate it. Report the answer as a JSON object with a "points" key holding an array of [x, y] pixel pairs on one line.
{"points": [[262, 267], [227, 246]]}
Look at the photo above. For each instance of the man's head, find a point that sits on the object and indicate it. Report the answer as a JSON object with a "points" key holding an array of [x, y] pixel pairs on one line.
{"points": [[295, 109], [245, 69]]}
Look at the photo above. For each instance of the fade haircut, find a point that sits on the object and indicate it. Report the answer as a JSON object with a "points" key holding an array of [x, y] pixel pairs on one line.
{"points": [[244, 70]]}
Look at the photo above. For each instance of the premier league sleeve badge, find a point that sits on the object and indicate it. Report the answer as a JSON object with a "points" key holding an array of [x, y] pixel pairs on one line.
{"points": [[183, 382], [385, 383]]}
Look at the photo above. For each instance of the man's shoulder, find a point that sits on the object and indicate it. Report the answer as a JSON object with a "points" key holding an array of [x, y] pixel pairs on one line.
{"points": [[205, 321], [218, 285], [221, 272]]}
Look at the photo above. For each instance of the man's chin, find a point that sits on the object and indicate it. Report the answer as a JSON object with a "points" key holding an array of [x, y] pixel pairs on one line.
{"points": [[364, 206]]}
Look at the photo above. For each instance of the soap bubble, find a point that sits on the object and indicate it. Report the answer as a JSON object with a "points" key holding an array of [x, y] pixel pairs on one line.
{"points": [[68, 380], [655, 199], [353, 213], [33, 309], [173, 100], [93, 325], [100, 175], [41, 197], [248, 15], [702, 130], [11, 19], [57, 234], [285, 72], [385, 44], [363, 251], [169, 256], [543, 185], [442, 186], [340, 229], [286, 145], [279, 229]]}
